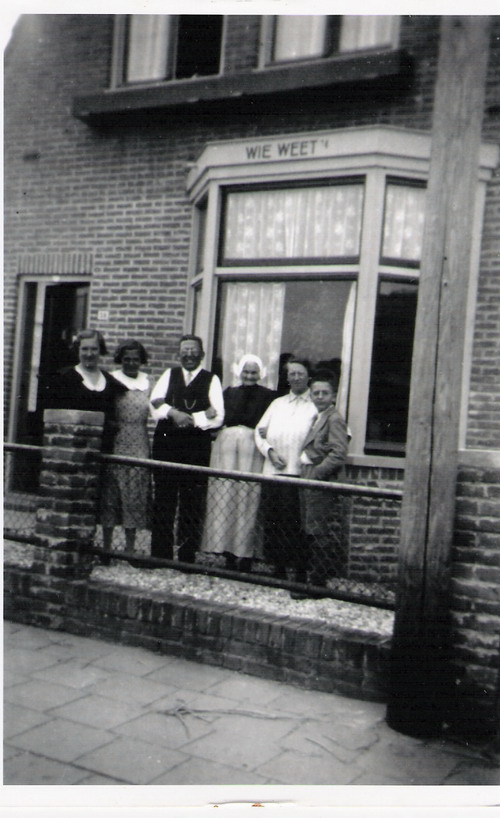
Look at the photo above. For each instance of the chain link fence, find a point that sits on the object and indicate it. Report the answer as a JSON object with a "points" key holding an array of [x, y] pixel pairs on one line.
{"points": [[279, 531]]}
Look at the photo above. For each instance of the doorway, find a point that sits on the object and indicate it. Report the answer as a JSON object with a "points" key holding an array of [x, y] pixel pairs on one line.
{"points": [[51, 314]]}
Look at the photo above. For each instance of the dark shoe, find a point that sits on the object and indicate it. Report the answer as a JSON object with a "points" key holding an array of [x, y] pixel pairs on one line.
{"points": [[231, 561], [245, 565]]}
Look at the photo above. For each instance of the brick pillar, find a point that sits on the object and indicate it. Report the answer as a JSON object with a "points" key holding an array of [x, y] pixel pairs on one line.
{"points": [[66, 516]]}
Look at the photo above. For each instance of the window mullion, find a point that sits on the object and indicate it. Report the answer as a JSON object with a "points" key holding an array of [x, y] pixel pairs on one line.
{"points": [[365, 309], [208, 293], [118, 52]]}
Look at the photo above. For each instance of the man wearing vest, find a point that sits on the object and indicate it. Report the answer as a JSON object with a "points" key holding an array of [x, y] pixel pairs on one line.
{"points": [[187, 402]]}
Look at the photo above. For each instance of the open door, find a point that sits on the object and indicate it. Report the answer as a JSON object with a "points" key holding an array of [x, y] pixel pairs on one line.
{"points": [[51, 315]]}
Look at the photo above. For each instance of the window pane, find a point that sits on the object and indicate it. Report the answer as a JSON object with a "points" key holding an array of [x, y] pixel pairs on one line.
{"points": [[403, 222], [391, 367], [299, 36], [195, 328], [198, 45], [202, 228], [148, 41], [301, 223], [312, 319], [366, 31]]}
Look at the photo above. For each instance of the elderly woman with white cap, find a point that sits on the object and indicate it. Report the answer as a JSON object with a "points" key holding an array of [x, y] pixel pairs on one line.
{"points": [[232, 504]]}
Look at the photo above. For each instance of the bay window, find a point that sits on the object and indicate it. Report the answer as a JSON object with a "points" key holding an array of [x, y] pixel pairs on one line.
{"points": [[310, 245]]}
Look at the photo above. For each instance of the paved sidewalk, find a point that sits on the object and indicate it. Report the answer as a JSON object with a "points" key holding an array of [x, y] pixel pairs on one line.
{"points": [[83, 711]]}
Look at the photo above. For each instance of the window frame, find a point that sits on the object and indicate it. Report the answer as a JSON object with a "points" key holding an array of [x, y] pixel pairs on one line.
{"points": [[268, 32], [380, 153], [119, 55], [279, 261]]}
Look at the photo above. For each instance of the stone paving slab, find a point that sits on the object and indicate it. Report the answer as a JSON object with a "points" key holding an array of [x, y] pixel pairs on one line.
{"points": [[62, 740], [190, 675], [166, 731], [308, 769], [41, 695], [72, 674], [131, 761], [98, 711], [249, 689], [202, 771], [40, 770], [18, 719], [130, 688], [242, 741], [137, 662]]}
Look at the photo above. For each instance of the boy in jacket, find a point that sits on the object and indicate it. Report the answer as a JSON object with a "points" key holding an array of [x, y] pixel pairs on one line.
{"points": [[323, 455]]}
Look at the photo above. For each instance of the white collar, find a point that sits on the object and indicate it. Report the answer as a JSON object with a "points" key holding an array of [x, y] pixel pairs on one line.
{"points": [[93, 386], [305, 396], [141, 383], [190, 375]]}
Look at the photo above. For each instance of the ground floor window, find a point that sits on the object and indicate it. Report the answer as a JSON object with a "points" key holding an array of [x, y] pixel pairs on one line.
{"points": [[310, 244]]}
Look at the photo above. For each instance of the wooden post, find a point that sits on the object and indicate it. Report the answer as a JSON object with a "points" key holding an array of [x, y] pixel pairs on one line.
{"points": [[420, 687]]}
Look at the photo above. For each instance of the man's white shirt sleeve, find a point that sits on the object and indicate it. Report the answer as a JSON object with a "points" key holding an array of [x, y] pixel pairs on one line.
{"points": [[200, 419], [159, 391], [216, 402]]}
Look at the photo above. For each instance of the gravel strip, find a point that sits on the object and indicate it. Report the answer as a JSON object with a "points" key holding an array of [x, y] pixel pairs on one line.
{"points": [[333, 612]]}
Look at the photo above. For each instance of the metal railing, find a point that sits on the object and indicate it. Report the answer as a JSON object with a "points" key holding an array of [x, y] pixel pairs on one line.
{"points": [[282, 532]]}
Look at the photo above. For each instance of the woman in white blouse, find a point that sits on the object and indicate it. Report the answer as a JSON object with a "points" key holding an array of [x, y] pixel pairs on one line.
{"points": [[279, 436]]}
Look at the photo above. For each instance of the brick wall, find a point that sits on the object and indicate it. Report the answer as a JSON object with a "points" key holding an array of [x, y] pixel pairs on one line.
{"points": [[475, 601], [373, 526]]}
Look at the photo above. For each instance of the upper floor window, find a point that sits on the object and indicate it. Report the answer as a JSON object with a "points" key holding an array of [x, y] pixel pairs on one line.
{"points": [[156, 47], [311, 36]]}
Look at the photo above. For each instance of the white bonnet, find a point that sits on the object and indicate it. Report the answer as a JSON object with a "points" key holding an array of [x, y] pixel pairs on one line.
{"points": [[247, 359]]}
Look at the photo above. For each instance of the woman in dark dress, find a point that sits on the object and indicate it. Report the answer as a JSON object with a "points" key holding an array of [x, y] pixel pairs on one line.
{"points": [[86, 386], [232, 505]]}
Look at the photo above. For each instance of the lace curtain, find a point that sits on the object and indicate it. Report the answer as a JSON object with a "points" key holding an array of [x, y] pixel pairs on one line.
{"points": [[298, 36], [309, 222], [404, 222], [360, 31], [252, 322], [346, 358], [147, 47]]}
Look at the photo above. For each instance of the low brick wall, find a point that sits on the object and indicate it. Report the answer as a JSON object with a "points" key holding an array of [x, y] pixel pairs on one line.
{"points": [[307, 654]]}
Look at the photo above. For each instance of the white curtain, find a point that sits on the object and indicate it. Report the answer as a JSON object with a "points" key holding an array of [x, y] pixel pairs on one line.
{"points": [[252, 323], [403, 222], [303, 222], [346, 358], [148, 40], [360, 31], [299, 36]]}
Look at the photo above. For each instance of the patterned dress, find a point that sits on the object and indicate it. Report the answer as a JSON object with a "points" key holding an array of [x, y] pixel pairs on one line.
{"points": [[126, 493]]}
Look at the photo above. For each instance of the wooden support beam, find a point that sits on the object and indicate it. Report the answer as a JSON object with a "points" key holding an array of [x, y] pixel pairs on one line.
{"points": [[420, 688]]}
